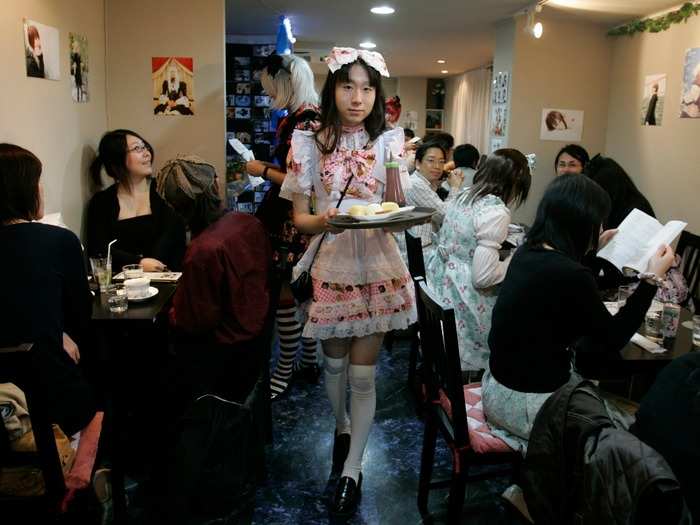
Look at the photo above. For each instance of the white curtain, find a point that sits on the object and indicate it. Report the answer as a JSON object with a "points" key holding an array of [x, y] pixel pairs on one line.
{"points": [[467, 103]]}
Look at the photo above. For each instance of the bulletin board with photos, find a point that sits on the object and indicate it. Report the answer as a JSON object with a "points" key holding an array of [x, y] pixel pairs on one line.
{"points": [[248, 119]]}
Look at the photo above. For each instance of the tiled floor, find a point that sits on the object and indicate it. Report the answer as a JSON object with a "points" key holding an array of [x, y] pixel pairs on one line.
{"points": [[297, 490]]}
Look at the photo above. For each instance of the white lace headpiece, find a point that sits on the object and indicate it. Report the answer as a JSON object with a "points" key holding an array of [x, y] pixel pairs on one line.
{"points": [[347, 55]]}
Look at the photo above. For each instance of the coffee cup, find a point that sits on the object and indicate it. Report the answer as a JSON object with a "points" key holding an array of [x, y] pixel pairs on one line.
{"points": [[137, 288]]}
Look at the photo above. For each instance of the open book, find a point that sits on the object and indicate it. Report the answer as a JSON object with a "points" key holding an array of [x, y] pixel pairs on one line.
{"points": [[637, 239]]}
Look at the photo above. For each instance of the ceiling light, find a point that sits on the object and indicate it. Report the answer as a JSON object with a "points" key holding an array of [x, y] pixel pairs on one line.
{"points": [[368, 45], [441, 61], [383, 10], [444, 71], [537, 30]]}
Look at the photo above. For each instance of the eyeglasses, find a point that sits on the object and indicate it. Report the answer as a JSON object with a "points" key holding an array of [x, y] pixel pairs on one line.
{"points": [[139, 148], [434, 162]]}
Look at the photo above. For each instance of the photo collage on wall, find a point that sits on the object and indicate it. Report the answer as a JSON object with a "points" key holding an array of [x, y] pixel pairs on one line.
{"points": [[499, 109], [248, 119]]}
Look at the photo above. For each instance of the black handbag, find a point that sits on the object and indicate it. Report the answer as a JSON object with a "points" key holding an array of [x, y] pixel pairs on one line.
{"points": [[302, 286]]}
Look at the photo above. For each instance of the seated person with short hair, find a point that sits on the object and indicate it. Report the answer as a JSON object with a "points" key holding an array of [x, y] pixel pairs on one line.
{"points": [[223, 297]]}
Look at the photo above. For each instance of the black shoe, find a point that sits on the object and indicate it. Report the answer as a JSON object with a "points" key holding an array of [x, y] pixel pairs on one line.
{"points": [[308, 373], [341, 447], [347, 497]]}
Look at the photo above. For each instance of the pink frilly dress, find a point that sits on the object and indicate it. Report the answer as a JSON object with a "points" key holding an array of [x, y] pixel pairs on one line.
{"points": [[361, 285]]}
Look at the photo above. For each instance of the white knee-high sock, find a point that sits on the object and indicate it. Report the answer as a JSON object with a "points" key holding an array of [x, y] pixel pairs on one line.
{"points": [[363, 403], [336, 379]]}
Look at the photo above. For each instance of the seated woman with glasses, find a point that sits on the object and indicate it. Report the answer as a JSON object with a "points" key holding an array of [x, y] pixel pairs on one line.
{"points": [[147, 230], [422, 191], [465, 268], [45, 295]]}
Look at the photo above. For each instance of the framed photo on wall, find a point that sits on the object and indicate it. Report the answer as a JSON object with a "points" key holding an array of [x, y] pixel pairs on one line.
{"points": [[434, 119]]}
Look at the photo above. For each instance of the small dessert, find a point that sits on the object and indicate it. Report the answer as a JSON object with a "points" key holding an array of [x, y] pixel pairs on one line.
{"points": [[390, 206], [356, 210], [374, 209]]}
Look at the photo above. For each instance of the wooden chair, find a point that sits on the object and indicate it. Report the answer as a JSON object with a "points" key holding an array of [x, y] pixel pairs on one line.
{"points": [[414, 250], [18, 360], [689, 249], [464, 430], [416, 267]]}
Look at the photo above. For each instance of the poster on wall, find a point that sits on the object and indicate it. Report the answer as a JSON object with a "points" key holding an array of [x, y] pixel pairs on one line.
{"points": [[41, 50], [78, 49], [434, 119], [690, 97], [411, 120], [173, 85], [499, 120], [653, 98], [561, 124], [500, 92]]}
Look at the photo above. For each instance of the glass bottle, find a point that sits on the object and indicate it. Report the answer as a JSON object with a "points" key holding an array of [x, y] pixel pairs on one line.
{"points": [[393, 191]]}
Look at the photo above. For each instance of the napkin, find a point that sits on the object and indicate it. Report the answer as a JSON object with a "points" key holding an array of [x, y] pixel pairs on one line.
{"points": [[648, 345]]}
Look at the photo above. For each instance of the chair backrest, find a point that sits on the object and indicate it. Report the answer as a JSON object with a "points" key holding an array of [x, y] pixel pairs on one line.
{"points": [[689, 249], [414, 250], [17, 367], [442, 370]]}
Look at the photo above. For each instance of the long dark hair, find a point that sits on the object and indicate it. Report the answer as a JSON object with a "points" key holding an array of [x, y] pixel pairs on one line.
{"points": [[624, 195], [331, 128], [570, 215], [506, 174], [20, 170], [112, 155]]}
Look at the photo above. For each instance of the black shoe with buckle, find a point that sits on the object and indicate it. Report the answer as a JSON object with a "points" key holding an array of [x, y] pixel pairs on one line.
{"points": [[347, 497], [341, 447]]}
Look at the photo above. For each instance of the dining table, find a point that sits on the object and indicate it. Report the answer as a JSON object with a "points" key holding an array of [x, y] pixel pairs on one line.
{"points": [[133, 347]]}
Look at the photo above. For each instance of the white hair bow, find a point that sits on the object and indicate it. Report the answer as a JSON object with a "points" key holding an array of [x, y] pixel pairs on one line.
{"points": [[347, 55], [531, 161]]}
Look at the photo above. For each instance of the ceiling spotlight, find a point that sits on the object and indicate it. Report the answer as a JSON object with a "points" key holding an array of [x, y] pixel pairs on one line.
{"points": [[537, 30], [531, 26], [441, 61], [382, 10], [368, 45], [444, 71]]}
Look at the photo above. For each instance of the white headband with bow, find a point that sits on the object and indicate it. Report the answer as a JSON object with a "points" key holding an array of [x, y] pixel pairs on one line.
{"points": [[347, 55]]}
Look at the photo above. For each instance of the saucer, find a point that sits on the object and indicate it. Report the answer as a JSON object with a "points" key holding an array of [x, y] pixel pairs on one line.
{"points": [[152, 292]]}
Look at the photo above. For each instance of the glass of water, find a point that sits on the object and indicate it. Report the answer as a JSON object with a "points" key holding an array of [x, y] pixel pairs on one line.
{"points": [[117, 298], [696, 330], [623, 292], [652, 322], [102, 271]]}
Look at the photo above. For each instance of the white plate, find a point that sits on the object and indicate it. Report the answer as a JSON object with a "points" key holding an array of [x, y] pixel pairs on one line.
{"points": [[152, 292], [382, 216]]}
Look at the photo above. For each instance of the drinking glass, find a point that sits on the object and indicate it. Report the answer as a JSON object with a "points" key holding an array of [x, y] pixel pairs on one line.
{"points": [[623, 292], [117, 299], [102, 271], [696, 330], [652, 323], [132, 271]]}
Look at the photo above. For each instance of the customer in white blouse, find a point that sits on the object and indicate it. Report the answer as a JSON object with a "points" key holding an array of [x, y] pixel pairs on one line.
{"points": [[465, 268], [424, 182]]}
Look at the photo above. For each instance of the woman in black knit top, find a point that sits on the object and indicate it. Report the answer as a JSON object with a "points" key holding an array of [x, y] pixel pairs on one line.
{"points": [[147, 230], [549, 300]]}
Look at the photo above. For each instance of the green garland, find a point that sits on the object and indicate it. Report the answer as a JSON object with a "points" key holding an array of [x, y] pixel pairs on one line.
{"points": [[661, 23]]}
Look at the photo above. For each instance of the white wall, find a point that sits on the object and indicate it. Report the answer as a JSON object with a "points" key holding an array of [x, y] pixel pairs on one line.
{"points": [[39, 115], [664, 161], [137, 31]]}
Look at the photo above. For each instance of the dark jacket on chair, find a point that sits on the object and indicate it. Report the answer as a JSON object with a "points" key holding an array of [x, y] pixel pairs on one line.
{"points": [[581, 469]]}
